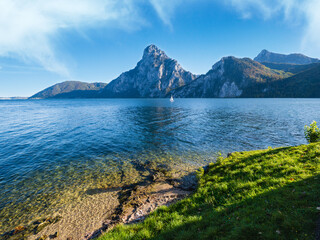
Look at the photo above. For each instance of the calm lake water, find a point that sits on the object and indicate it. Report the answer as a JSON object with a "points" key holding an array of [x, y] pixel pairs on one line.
{"points": [[52, 151]]}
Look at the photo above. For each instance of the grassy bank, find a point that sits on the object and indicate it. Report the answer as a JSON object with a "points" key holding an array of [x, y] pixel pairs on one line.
{"points": [[265, 194]]}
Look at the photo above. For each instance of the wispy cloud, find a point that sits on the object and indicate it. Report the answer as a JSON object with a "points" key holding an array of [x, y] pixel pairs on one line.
{"points": [[299, 12], [28, 28], [311, 40], [165, 9], [266, 8], [303, 13]]}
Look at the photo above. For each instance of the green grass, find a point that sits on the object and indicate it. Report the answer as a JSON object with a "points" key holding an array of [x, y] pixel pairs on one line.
{"points": [[265, 194]]}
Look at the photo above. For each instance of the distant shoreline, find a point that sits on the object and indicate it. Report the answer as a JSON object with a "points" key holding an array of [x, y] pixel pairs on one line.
{"points": [[14, 98]]}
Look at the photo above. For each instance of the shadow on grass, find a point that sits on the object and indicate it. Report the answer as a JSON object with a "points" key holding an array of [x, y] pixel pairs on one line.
{"points": [[265, 194], [285, 213]]}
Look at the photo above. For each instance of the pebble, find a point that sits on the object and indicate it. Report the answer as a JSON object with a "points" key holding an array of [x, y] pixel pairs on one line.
{"points": [[55, 235]]}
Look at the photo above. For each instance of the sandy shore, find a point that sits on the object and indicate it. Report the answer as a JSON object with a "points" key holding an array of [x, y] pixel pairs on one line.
{"points": [[79, 221], [102, 209]]}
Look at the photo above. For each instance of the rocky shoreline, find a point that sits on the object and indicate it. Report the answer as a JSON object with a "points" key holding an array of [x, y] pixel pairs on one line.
{"points": [[108, 207], [137, 201]]}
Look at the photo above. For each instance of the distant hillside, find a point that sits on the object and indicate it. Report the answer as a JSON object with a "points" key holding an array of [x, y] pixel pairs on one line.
{"points": [[292, 68], [302, 85], [71, 89], [295, 58], [228, 78]]}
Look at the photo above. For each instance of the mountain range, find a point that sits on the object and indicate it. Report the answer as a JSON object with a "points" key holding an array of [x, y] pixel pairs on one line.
{"points": [[156, 75], [230, 77]]}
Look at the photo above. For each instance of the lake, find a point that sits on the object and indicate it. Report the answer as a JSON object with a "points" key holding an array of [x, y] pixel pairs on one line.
{"points": [[53, 151]]}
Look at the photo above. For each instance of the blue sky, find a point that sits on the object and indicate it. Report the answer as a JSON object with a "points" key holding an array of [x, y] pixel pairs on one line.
{"points": [[46, 42]]}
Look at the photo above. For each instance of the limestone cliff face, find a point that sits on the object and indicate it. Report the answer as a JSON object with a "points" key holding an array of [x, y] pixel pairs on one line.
{"points": [[154, 76], [228, 78]]}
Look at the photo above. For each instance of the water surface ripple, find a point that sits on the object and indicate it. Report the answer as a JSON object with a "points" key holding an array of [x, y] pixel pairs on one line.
{"points": [[49, 148]]}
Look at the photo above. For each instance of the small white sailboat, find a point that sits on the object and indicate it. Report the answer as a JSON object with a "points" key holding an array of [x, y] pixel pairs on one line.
{"points": [[171, 99]]}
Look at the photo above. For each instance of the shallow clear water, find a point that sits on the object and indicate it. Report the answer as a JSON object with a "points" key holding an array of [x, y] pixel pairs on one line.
{"points": [[52, 151]]}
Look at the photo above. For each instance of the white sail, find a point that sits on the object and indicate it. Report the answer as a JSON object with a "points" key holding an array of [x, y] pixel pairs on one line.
{"points": [[171, 99]]}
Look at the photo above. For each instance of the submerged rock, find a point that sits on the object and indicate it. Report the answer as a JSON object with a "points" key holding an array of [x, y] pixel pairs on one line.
{"points": [[19, 229], [22, 232], [55, 235], [158, 176], [44, 237], [187, 183], [41, 224]]}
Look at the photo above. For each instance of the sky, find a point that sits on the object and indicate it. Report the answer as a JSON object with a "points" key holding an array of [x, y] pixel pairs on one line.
{"points": [[43, 42]]}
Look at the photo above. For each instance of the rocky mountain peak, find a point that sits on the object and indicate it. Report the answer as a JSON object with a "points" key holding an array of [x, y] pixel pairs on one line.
{"points": [[225, 60], [264, 54], [152, 51], [154, 76], [264, 51]]}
